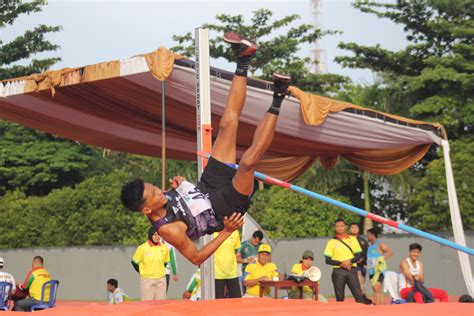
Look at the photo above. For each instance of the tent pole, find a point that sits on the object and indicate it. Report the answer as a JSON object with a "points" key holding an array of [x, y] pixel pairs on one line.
{"points": [[204, 140], [163, 137], [350, 208], [458, 230]]}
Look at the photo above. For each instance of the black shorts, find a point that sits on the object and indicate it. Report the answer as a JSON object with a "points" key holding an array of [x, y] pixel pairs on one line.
{"points": [[381, 277], [216, 180]]}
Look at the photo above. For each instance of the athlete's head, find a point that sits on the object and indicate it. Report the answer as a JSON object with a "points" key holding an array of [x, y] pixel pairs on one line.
{"points": [[340, 226], [372, 234], [354, 229], [257, 237], [142, 197], [415, 251]]}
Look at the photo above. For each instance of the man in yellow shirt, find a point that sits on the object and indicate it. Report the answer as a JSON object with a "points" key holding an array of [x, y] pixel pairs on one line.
{"points": [[343, 252], [262, 270], [225, 267], [34, 284], [149, 260]]}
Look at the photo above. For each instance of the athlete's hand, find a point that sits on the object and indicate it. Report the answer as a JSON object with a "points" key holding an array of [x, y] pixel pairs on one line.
{"points": [[176, 181], [175, 277], [235, 221]]}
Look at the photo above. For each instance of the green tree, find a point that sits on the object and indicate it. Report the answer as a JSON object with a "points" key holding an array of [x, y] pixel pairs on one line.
{"points": [[275, 53], [434, 73], [290, 215], [27, 45], [430, 202], [35, 162]]}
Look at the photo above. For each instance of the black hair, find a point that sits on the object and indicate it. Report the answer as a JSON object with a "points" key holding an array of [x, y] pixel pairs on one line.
{"points": [[151, 232], [132, 195], [466, 298], [374, 231], [258, 234], [354, 223], [339, 220], [113, 282], [415, 246], [39, 258]]}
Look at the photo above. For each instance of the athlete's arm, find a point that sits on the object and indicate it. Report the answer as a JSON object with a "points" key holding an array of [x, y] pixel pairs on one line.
{"points": [[405, 269], [175, 234], [386, 250]]}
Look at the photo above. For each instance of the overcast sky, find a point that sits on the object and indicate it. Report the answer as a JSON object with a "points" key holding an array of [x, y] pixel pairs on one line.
{"points": [[97, 31]]}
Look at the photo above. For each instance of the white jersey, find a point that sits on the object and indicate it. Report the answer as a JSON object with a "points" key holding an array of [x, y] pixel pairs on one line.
{"points": [[414, 270], [117, 297], [7, 277]]}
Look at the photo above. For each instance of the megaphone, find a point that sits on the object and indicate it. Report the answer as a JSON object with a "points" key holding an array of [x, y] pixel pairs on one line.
{"points": [[313, 273]]}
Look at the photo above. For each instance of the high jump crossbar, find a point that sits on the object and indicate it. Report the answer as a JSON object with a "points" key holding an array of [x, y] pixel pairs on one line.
{"points": [[353, 209]]}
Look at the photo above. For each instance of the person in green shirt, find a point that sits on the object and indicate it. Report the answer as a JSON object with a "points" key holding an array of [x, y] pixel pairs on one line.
{"points": [[248, 250]]}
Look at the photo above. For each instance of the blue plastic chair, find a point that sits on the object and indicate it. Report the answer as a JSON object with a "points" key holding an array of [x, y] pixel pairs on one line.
{"points": [[5, 290], [53, 291]]}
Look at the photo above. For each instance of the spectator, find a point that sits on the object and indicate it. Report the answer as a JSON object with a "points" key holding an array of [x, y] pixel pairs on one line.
{"points": [[343, 252], [377, 254], [225, 267], [261, 270], [193, 289], [248, 250], [172, 265], [149, 261], [116, 294], [34, 283], [354, 230], [7, 277], [412, 270], [298, 269]]}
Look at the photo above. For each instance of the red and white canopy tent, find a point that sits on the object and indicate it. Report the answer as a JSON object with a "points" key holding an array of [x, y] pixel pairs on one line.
{"points": [[116, 105]]}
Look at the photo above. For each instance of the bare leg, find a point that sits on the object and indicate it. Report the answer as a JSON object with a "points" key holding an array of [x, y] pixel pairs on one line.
{"points": [[361, 281], [224, 148], [243, 179]]}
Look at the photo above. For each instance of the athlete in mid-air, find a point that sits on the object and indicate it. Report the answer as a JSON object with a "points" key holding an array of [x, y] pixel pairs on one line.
{"points": [[218, 201]]}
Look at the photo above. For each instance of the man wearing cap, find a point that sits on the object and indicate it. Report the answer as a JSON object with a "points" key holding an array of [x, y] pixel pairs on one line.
{"points": [[149, 261], [262, 270], [343, 252], [6, 277]]}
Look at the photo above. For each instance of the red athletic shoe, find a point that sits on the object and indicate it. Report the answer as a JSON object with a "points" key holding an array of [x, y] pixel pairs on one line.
{"points": [[241, 46]]}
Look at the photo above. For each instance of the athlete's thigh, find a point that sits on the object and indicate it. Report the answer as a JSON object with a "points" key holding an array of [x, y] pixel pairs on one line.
{"points": [[243, 181]]}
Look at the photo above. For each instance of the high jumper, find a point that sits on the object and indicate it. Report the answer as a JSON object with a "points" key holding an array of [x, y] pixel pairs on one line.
{"points": [[220, 199]]}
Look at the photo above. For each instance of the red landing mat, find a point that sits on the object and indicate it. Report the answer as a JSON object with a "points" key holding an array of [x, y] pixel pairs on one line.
{"points": [[257, 307]]}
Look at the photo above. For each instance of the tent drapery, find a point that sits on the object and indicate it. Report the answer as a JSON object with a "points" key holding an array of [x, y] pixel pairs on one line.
{"points": [[114, 105]]}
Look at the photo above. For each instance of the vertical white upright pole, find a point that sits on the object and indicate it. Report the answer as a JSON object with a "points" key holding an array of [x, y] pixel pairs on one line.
{"points": [[204, 140], [456, 221]]}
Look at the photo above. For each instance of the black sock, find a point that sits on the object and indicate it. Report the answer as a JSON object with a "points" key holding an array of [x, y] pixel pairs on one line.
{"points": [[275, 107], [243, 64]]}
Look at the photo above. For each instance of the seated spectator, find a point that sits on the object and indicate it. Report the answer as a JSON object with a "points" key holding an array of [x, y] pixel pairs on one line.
{"points": [[193, 289], [116, 294], [262, 270], [298, 269], [34, 284], [7, 277], [411, 271]]}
